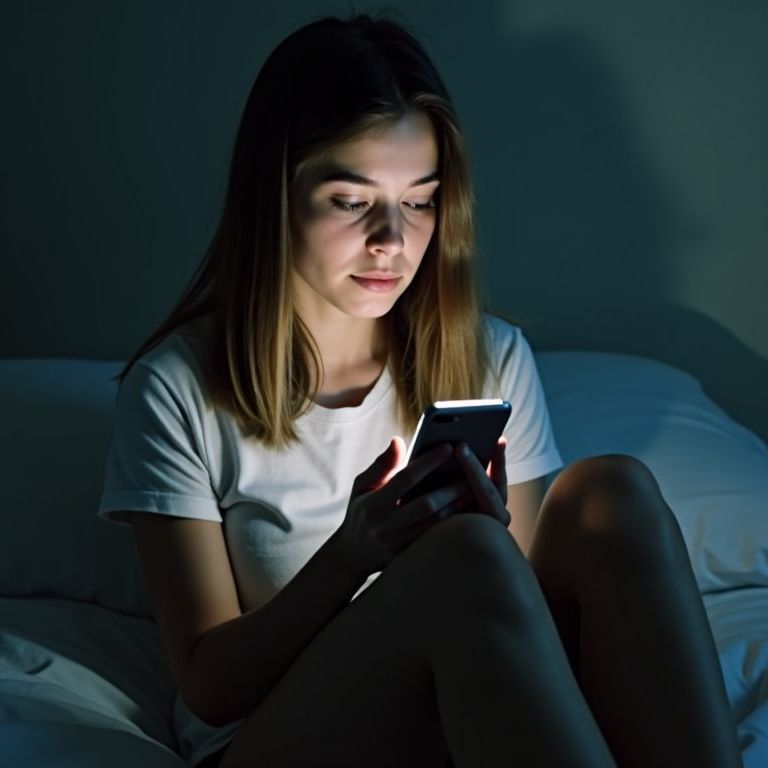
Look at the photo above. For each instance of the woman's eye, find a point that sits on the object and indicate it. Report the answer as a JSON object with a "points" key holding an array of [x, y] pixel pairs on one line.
{"points": [[421, 206], [356, 207], [343, 205]]}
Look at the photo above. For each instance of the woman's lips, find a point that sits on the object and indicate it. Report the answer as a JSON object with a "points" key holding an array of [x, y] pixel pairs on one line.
{"points": [[377, 284]]}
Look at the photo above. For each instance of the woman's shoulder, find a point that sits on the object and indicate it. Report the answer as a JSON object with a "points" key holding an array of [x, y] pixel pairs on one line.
{"points": [[177, 361], [501, 333], [510, 355]]}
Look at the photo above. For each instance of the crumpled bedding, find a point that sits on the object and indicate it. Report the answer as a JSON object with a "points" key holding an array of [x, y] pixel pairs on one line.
{"points": [[739, 620], [85, 679]]}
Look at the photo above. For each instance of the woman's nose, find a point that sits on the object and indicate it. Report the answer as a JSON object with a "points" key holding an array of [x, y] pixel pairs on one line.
{"points": [[387, 235]]}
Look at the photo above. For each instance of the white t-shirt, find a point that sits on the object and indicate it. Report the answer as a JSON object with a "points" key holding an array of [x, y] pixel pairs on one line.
{"points": [[174, 454]]}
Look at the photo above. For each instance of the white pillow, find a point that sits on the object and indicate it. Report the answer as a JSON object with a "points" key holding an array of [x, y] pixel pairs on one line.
{"points": [[712, 471], [56, 416]]}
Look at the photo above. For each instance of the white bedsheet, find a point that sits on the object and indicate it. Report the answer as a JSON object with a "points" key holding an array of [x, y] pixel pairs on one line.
{"points": [[92, 680], [739, 620]]}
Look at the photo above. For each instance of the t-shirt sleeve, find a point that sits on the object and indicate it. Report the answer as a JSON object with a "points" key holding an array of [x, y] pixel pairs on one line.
{"points": [[156, 460], [531, 449]]}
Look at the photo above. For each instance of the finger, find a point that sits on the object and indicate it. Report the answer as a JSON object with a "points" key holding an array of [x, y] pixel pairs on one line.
{"points": [[432, 504], [497, 470], [465, 503], [449, 500], [485, 492], [415, 471], [377, 473], [398, 446]]}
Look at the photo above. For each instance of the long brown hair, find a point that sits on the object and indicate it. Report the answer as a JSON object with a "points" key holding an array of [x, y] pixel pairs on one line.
{"points": [[328, 82]]}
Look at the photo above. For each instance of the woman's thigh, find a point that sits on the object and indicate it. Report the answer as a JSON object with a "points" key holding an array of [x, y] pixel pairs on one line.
{"points": [[362, 692]]}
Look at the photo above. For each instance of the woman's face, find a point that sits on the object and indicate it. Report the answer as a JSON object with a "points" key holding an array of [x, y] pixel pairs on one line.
{"points": [[362, 215]]}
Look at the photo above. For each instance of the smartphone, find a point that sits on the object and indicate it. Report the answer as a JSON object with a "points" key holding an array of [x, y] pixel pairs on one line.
{"points": [[478, 423]]}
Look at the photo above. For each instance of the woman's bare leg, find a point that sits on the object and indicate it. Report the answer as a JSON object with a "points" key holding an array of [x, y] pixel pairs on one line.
{"points": [[451, 651], [613, 565]]}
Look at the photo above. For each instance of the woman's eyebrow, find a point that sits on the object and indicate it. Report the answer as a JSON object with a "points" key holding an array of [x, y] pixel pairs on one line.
{"points": [[337, 173]]}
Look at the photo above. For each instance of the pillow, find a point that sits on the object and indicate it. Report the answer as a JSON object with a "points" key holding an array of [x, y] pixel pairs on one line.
{"points": [[712, 471], [55, 416]]}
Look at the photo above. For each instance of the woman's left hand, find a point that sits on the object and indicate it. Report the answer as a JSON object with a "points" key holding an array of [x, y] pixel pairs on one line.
{"points": [[488, 489]]}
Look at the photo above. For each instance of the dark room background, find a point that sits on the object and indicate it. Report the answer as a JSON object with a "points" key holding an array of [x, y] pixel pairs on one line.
{"points": [[620, 153]]}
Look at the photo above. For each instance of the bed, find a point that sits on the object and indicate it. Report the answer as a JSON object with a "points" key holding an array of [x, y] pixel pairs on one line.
{"points": [[82, 677]]}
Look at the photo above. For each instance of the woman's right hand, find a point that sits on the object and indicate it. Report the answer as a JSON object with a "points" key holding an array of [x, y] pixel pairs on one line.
{"points": [[377, 526]]}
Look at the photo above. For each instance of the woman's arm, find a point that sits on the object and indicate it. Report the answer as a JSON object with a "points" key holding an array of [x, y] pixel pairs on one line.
{"points": [[523, 503], [225, 661]]}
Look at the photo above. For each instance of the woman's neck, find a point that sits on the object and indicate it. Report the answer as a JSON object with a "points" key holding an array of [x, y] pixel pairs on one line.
{"points": [[351, 390], [353, 357]]}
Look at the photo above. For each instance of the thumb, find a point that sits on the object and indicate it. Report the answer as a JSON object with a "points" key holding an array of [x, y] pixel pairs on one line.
{"points": [[383, 467], [395, 454]]}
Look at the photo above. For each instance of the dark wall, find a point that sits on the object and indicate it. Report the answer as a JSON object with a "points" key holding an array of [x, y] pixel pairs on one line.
{"points": [[619, 151]]}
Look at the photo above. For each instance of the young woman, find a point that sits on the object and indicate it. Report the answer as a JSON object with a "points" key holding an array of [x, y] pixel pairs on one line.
{"points": [[310, 618]]}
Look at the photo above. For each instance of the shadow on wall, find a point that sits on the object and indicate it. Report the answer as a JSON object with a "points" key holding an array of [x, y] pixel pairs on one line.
{"points": [[576, 207], [582, 232]]}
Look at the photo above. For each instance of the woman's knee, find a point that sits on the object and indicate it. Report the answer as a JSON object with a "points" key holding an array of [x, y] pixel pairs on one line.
{"points": [[609, 473], [612, 500], [475, 564], [469, 542]]}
